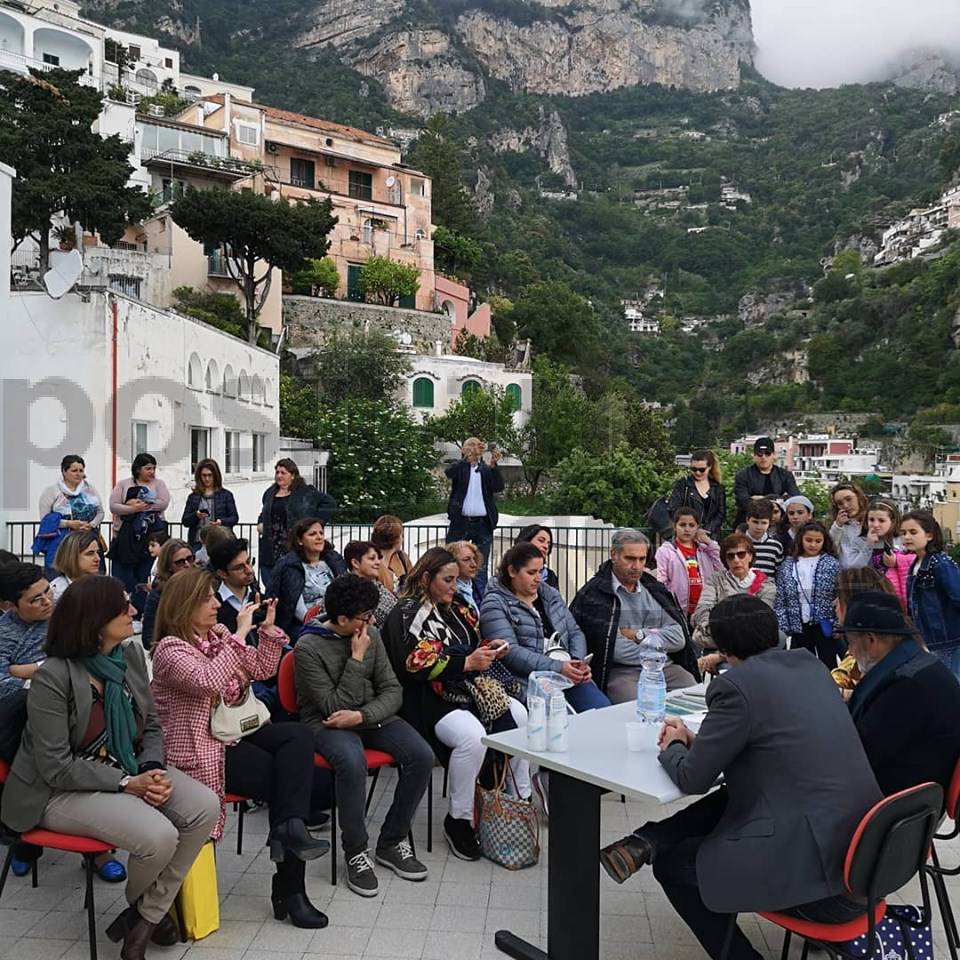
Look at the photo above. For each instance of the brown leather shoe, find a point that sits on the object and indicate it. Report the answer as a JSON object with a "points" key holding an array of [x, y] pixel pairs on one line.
{"points": [[166, 933], [136, 937], [624, 858]]}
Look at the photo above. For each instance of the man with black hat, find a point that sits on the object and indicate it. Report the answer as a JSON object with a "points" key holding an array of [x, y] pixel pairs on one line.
{"points": [[907, 706], [763, 479]]}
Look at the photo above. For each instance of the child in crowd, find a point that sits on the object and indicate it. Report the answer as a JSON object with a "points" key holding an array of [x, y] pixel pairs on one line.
{"points": [[687, 562], [768, 550], [806, 591], [154, 542], [797, 511], [933, 588], [778, 519], [881, 529], [848, 504], [209, 536]]}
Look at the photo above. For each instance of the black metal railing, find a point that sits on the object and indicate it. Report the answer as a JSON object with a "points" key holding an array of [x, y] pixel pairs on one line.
{"points": [[577, 551]]}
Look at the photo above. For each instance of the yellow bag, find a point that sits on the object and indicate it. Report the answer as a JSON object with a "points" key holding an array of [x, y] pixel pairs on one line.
{"points": [[199, 901]]}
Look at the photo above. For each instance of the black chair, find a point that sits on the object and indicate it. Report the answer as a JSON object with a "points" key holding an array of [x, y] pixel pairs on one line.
{"points": [[890, 847], [938, 872]]}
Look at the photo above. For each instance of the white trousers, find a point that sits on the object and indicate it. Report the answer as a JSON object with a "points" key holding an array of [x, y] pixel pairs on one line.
{"points": [[461, 731]]}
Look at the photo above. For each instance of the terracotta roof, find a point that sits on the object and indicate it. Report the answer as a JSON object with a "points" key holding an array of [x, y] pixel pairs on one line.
{"points": [[327, 126]]}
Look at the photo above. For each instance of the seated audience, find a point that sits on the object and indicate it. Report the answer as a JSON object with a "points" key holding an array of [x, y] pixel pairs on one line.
{"points": [[768, 550], [469, 559], [349, 696], [301, 576], [175, 555], [8, 563], [79, 555], [542, 538], [687, 562], [92, 760], [739, 578], [23, 628], [907, 706], [230, 561], [850, 583], [618, 608], [435, 648], [542, 633], [806, 591], [797, 783], [198, 663], [363, 559], [387, 537], [933, 588]]}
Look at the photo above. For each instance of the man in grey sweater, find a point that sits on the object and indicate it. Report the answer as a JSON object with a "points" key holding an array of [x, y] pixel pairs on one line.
{"points": [[349, 695]]}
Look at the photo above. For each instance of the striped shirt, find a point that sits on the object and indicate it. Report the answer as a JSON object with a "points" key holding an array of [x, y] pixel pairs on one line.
{"points": [[768, 554]]}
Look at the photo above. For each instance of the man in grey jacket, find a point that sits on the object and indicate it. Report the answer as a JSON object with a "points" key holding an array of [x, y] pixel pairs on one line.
{"points": [[349, 695], [797, 783]]}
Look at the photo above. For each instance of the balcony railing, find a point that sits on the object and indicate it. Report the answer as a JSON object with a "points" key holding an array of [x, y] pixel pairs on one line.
{"points": [[230, 167]]}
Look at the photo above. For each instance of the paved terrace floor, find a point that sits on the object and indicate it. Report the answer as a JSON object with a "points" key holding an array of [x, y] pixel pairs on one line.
{"points": [[453, 915]]}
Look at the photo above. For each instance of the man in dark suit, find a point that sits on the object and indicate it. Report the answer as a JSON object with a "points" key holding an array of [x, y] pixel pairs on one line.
{"points": [[907, 706], [797, 783], [472, 508]]}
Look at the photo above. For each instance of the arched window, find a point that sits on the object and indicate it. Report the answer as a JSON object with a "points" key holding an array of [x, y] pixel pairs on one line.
{"points": [[194, 372], [515, 394], [229, 381], [257, 389], [243, 386], [368, 230], [268, 393], [213, 377], [423, 392], [469, 387]]}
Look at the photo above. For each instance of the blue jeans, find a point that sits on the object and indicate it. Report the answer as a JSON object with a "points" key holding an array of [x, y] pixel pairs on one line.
{"points": [[479, 532], [951, 658], [586, 696]]}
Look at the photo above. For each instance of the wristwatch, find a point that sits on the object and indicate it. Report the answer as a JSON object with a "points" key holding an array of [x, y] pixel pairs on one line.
{"points": [[122, 785], [639, 638]]}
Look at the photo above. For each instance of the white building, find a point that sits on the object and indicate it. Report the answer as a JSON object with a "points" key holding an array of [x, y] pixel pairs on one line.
{"points": [[434, 382], [921, 229], [637, 320], [918, 490]]}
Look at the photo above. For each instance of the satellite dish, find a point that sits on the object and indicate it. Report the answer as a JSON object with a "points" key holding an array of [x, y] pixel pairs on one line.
{"points": [[391, 181], [64, 272]]}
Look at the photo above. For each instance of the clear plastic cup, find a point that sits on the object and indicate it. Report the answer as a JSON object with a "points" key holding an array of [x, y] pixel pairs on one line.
{"points": [[638, 736]]}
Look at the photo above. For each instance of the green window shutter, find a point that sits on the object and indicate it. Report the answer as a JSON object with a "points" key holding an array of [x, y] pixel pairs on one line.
{"points": [[423, 392]]}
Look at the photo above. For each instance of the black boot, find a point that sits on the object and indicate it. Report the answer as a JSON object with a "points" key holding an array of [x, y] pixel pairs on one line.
{"points": [[289, 897], [136, 936], [292, 837]]}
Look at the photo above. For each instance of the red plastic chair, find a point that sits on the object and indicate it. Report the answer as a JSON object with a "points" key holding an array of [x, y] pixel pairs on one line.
{"points": [[888, 849], [938, 872], [376, 759], [240, 805], [87, 847]]}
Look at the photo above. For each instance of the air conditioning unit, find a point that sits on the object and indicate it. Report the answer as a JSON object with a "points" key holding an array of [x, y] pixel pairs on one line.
{"points": [[156, 110], [273, 147]]}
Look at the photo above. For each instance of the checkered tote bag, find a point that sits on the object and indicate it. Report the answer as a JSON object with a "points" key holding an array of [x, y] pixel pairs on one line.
{"points": [[508, 828]]}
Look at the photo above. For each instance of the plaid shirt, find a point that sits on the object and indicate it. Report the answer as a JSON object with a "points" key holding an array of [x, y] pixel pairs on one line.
{"points": [[188, 681]]}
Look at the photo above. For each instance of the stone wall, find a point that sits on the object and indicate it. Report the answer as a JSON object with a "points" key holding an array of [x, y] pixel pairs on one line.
{"points": [[311, 320]]}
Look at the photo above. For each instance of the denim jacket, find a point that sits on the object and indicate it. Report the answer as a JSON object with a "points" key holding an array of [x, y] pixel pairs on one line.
{"points": [[933, 599]]}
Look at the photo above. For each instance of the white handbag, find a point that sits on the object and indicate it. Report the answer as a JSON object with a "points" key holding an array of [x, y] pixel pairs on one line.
{"points": [[229, 723]]}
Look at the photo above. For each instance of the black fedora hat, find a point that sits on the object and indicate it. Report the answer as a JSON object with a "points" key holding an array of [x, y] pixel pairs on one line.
{"points": [[876, 612]]}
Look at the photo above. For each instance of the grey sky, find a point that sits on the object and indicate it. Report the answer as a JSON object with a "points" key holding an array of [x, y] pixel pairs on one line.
{"points": [[824, 43]]}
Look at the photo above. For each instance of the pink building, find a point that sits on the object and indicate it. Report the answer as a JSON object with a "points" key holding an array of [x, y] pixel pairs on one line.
{"points": [[453, 299]]}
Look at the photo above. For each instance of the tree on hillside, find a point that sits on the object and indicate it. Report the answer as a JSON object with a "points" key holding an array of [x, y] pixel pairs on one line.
{"points": [[487, 414], [559, 421], [439, 155], [63, 167], [385, 281], [558, 322], [257, 235], [360, 365]]}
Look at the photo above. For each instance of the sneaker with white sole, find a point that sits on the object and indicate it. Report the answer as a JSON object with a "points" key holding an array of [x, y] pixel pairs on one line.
{"points": [[401, 861], [361, 877], [462, 838]]}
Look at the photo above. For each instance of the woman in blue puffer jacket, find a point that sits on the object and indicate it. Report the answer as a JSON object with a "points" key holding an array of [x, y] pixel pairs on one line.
{"points": [[522, 610]]}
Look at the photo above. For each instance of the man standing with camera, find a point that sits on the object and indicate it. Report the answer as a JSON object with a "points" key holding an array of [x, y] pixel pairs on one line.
{"points": [[472, 508]]}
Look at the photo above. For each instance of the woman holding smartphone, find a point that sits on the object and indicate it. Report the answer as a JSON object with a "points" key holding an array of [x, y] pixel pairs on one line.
{"points": [[208, 504]]}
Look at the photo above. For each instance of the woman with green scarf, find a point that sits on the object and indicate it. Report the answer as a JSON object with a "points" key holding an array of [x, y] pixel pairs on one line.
{"points": [[91, 761]]}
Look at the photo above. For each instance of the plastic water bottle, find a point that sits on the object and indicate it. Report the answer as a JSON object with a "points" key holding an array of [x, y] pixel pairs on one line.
{"points": [[536, 723], [652, 685], [557, 723]]}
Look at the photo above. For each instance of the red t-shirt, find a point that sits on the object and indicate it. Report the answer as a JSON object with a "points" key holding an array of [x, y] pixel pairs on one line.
{"points": [[689, 555]]}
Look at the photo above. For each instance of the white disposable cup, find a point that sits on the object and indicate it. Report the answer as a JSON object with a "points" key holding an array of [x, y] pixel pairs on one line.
{"points": [[638, 736]]}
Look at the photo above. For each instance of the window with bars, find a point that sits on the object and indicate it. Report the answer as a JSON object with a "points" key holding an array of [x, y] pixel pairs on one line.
{"points": [[302, 173], [128, 286]]}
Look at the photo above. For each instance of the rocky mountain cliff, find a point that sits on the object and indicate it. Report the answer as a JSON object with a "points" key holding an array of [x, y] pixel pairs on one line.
{"points": [[441, 55]]}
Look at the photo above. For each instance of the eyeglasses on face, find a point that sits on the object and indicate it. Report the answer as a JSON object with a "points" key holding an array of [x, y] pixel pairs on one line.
{"points": [[365, 617], [41, 598], [737, 554], [185, 561]]}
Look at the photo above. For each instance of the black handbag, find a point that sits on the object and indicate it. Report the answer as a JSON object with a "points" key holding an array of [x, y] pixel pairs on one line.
{"points": [[659, 519]]}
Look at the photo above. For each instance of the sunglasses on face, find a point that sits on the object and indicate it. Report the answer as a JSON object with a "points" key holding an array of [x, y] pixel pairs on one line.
{"points": [[184, 562], [737, 554], [698, 469]]}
